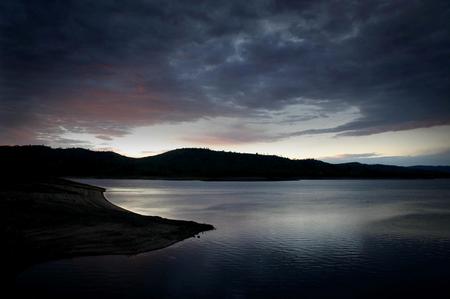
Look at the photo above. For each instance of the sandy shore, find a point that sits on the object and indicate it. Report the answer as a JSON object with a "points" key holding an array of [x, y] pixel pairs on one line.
{"points": [[44, 219]]}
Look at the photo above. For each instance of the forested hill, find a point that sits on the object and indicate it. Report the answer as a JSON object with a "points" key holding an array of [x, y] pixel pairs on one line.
{"points": [[188, 163]]}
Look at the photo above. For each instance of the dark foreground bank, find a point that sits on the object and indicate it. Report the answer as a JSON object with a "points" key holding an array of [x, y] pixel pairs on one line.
{"points": [[44, 219]]}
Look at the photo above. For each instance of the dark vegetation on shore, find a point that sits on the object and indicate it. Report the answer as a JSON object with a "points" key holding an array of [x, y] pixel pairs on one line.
{"points": [[191, 164], [45, 219], [445, 169]]}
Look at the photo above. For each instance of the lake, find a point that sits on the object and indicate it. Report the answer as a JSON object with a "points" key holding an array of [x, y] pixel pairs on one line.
{"points": [[309, 239]]}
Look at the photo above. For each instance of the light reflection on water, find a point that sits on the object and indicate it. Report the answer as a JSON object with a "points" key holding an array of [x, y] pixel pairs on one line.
{"points": [[273, 239]]}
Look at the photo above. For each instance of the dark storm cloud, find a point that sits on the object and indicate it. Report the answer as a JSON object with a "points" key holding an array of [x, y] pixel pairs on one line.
{"points": [[104, 67]]}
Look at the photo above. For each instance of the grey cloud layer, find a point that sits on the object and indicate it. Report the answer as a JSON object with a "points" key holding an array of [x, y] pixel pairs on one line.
{"points": [[104, 67]]}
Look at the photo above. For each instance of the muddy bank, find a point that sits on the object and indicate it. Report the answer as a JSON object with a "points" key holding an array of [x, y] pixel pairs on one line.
{"points": [[43, 219]]}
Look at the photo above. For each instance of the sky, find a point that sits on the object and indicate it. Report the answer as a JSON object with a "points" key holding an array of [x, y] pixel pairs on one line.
{"points": [[339, 81]]}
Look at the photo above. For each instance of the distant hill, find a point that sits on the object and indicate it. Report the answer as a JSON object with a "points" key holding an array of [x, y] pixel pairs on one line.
{"points": [[445, 169], [189, 163]]}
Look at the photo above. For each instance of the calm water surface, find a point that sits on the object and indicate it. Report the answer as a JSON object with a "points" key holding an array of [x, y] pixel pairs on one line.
{"points": [[309, 239]]}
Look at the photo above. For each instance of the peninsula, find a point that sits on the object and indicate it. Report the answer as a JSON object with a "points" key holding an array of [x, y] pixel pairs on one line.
{"points": [[51, 218]]}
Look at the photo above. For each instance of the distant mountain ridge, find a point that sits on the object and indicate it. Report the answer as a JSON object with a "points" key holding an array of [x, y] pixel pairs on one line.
{"points": [[445, 169], [189, 163]]}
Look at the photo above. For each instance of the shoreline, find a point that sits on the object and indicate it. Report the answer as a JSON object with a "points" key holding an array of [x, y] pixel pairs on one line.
{"points": [[251, 179], [47, 219]]}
